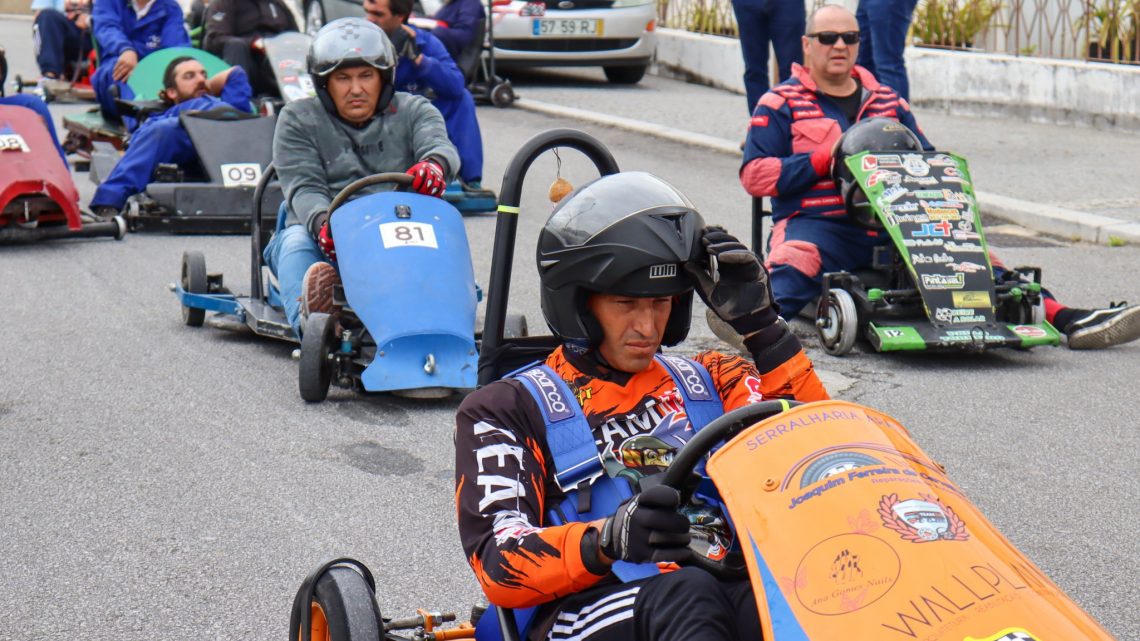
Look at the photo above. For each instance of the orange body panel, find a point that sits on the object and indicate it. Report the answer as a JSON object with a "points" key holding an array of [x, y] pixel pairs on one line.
{"points": [[852, 532]]}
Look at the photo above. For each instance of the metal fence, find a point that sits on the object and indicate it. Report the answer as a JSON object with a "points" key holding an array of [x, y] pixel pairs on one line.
{"points": [[1099, 30]]}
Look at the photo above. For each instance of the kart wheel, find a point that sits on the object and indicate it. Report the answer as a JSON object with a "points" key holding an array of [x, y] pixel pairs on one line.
{"points": [[515, 326], [503, 95], [193, 281], [315, 371], [344, 608], [838, 329], [120, 227]]}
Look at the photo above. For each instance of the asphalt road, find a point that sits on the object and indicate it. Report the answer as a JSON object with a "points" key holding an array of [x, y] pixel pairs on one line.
{"points": [[163, 482]]}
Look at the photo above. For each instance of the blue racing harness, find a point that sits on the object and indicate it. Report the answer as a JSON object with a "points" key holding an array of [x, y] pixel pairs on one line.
{"points": [[592, 494]]}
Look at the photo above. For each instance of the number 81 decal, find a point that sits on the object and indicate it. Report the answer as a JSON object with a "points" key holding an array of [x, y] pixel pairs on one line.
{"points": [[407, 234]]}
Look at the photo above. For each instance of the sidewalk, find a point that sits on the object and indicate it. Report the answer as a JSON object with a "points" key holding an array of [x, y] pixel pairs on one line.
{"points": [[1074, 182]]}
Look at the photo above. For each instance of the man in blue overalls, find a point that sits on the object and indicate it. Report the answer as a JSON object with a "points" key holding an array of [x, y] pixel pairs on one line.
{"points": [[161, 138], [125, 32], [427, 69], [546, 515]]}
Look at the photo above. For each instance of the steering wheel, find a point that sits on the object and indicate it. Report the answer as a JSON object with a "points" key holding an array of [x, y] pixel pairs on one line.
{"points": [[685, 461], [401, 179]]}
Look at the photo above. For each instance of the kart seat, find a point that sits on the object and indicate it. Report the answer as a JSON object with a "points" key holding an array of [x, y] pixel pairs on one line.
{"points": [[223, 135]]}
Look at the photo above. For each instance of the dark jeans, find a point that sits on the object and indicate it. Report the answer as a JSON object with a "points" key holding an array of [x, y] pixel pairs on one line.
{"points": [[779, 22], [58, 43], [883, 25], [686, 605]]}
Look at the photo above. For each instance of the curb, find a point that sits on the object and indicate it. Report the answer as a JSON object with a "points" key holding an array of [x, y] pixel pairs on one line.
{"points": [[1067, 223]]}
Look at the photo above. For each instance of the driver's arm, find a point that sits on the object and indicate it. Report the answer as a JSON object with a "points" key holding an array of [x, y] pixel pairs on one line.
{"points": [[740, 383], [501, 473], [299, 166], [783, 157]]}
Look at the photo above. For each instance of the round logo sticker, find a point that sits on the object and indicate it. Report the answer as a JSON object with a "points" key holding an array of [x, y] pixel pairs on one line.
{"points": [[846, 573]]}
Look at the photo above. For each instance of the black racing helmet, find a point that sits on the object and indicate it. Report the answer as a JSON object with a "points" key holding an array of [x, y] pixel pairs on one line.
{"points": [[874, 134], [351, 42], [628, 234]]}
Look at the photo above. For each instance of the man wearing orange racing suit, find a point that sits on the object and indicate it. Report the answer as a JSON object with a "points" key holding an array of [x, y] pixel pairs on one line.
{"points": [[618, 262]]}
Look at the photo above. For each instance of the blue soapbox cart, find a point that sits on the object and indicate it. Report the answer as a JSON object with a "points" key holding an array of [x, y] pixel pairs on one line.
{"points": [[408, 296]]}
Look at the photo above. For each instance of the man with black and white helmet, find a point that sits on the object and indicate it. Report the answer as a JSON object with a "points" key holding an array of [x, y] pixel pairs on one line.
{"points": [[542, 457], [356, 126]]}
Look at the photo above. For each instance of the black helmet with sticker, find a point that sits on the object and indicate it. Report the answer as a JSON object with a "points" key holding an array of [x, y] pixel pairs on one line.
{"points": [[873, 134], [629, 234], [351, 42]]}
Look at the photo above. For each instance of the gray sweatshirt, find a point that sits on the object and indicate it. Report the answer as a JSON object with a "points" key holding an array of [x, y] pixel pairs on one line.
{"points": [[317, 155]]}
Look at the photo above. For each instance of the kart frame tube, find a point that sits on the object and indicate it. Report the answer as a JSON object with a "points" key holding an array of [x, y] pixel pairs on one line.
{"points": [[506, 227]]}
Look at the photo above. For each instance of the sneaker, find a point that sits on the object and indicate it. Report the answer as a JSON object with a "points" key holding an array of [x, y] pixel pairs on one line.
{"points": [[1114, 325], [475, 189], [317, 290], [105, 212]]}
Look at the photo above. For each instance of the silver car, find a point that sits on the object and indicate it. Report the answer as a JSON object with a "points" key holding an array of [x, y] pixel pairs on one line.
{"points": [[618, 35]]}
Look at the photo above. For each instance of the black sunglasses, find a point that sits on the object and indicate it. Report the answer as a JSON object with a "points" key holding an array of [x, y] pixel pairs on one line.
{"points": [[829, 38]]}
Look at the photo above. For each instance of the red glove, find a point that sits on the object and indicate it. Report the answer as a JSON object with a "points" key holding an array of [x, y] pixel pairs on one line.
{"points": [[427, 178], [325, 241]]}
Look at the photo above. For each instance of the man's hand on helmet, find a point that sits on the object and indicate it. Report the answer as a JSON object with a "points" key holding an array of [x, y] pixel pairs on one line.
{"points": [[732, 282], [427, 178], [647, 528]]}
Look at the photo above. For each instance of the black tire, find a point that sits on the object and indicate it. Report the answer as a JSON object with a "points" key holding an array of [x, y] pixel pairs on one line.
{"points": [[839, 330], [315, 371], [345, 607], [625, 75], [834, 463], [194, 281], [515, 326], [503, 95]]}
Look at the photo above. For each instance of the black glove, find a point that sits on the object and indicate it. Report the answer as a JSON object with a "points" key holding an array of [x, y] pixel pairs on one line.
{"points": [[647, 528], [406, 45], [733, 283]]}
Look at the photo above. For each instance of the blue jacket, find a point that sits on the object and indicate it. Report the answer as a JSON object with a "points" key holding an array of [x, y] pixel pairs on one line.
{"points": [[788, 152], [236, 93], [437, 72], [462, 17], [117, 28]]}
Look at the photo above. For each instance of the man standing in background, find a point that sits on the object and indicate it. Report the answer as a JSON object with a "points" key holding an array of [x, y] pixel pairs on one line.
{"points": [[760, 22], [883, 25]]}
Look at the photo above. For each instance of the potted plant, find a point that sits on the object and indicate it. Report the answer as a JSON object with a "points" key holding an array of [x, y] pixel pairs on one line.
{"points": [[952, 24]]}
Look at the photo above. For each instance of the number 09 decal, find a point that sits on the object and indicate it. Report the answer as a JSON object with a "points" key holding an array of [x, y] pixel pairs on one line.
{"points": [[241, 174], [407, 234], [13, 142]]}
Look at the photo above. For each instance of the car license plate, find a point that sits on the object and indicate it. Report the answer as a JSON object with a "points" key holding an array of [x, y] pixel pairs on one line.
{"points": [[566, 27]]}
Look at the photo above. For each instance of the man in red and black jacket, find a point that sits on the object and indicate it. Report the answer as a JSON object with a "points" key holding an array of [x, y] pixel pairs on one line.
{"points": [[787, 157], [619, 260]]}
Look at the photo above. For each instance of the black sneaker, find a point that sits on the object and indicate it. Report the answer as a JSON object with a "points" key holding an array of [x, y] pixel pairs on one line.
{"points": [[1114, 325]]}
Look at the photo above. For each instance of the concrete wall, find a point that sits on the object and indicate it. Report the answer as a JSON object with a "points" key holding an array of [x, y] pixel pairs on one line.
{"points": [[1102, 95]]}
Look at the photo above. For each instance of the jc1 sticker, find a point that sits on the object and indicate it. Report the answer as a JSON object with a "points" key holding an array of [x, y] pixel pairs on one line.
{"points": [[13, 142], [241, 174], [407, 234]]}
